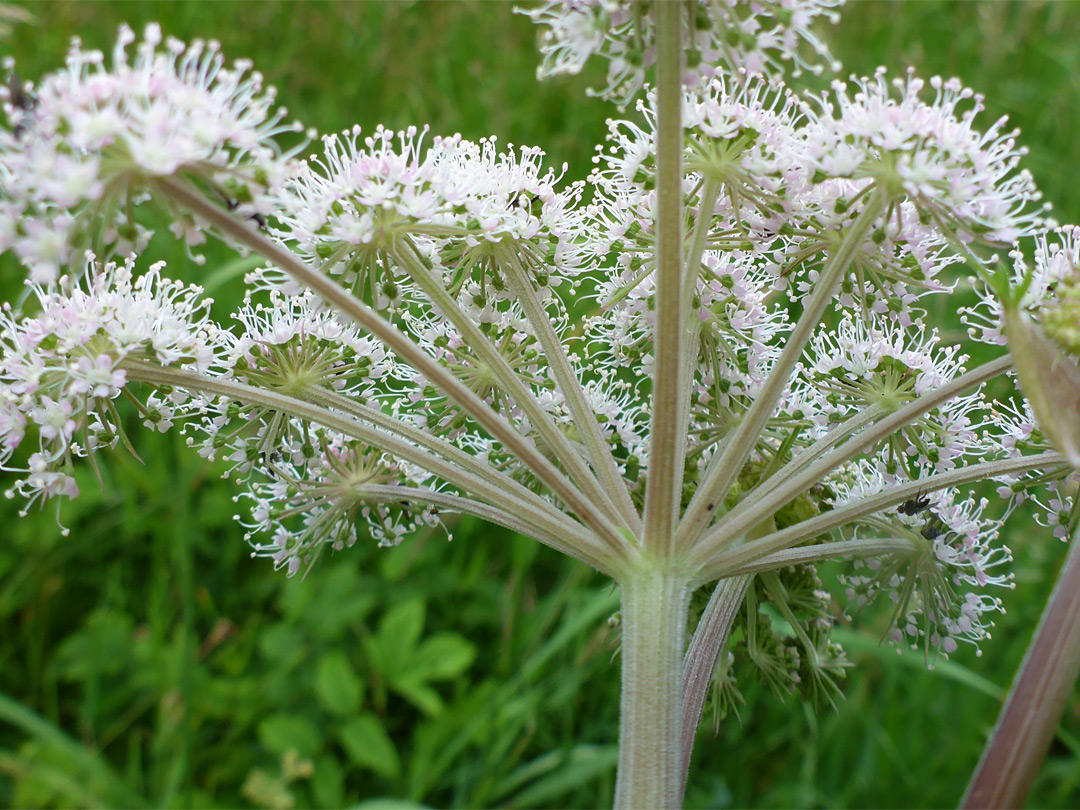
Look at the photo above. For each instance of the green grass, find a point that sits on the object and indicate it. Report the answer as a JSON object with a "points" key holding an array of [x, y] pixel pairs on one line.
{"points": [[147, 660]]}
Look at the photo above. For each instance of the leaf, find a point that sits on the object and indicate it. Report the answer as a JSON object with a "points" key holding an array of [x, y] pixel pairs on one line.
{"points": [[420, 695], [403, 624], [281, 733], [443, 656], [392, 646], [339, 689], [369, 746]]}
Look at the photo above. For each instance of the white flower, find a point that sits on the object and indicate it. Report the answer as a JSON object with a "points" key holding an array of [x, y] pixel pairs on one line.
{"points": [[737, 35], [96, 136], [60, 368]]}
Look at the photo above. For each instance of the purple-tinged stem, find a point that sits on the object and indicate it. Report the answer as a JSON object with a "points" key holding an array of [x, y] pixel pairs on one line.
{"points": [[1016, 748], [712, 632]]}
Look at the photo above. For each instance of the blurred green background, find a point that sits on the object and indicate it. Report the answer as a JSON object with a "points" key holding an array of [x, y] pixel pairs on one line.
{"points": [[146, 660]]}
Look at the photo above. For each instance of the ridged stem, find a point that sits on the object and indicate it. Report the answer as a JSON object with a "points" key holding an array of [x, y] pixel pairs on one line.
{"points": [[729, 561], [1017, 747], [549, 526], [709, 637], [596, 444], [655, 602], [664, 485], [481, 346], [725, 468], [813, 464]]}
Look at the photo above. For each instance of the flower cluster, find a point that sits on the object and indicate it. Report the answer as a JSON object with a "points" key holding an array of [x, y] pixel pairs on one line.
{"points": [[62, 369], [735, 36], [366, 201], [962, 180], [84, 146], [521, 312]]}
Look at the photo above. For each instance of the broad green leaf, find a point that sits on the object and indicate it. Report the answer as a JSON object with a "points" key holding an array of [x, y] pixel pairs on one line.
{"points": [[403, 624], [337, 685], [281, 733], [399, 631], [420, 695], [369, 746], [443, 656]]}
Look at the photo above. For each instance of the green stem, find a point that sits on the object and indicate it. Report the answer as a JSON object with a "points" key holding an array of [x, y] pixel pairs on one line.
{"points": [[710, 191], [440, 447], [596, 445], [802, 475], [818, 449], [664, 486], [655, 602], [391, 493], [431, 283], [1015, 751], [725, 467], [549, 526], [835, 550], [355, 310], [713, 565]]}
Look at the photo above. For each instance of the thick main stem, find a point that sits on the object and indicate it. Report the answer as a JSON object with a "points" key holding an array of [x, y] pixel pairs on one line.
{"points": [[664, 487], [655, 602], [1015, 751]]}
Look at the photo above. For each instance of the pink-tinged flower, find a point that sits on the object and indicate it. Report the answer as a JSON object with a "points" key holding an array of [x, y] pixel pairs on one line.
{"points": [[931, 152], [97, 377], [93, 138], [54, 419], [60, 368], [353, 208], [739, 36]]}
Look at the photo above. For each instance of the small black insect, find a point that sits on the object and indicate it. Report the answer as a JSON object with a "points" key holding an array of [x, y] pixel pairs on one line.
{"points": [[20, 99], [517, 201], [914, 506], [933, 528]]}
